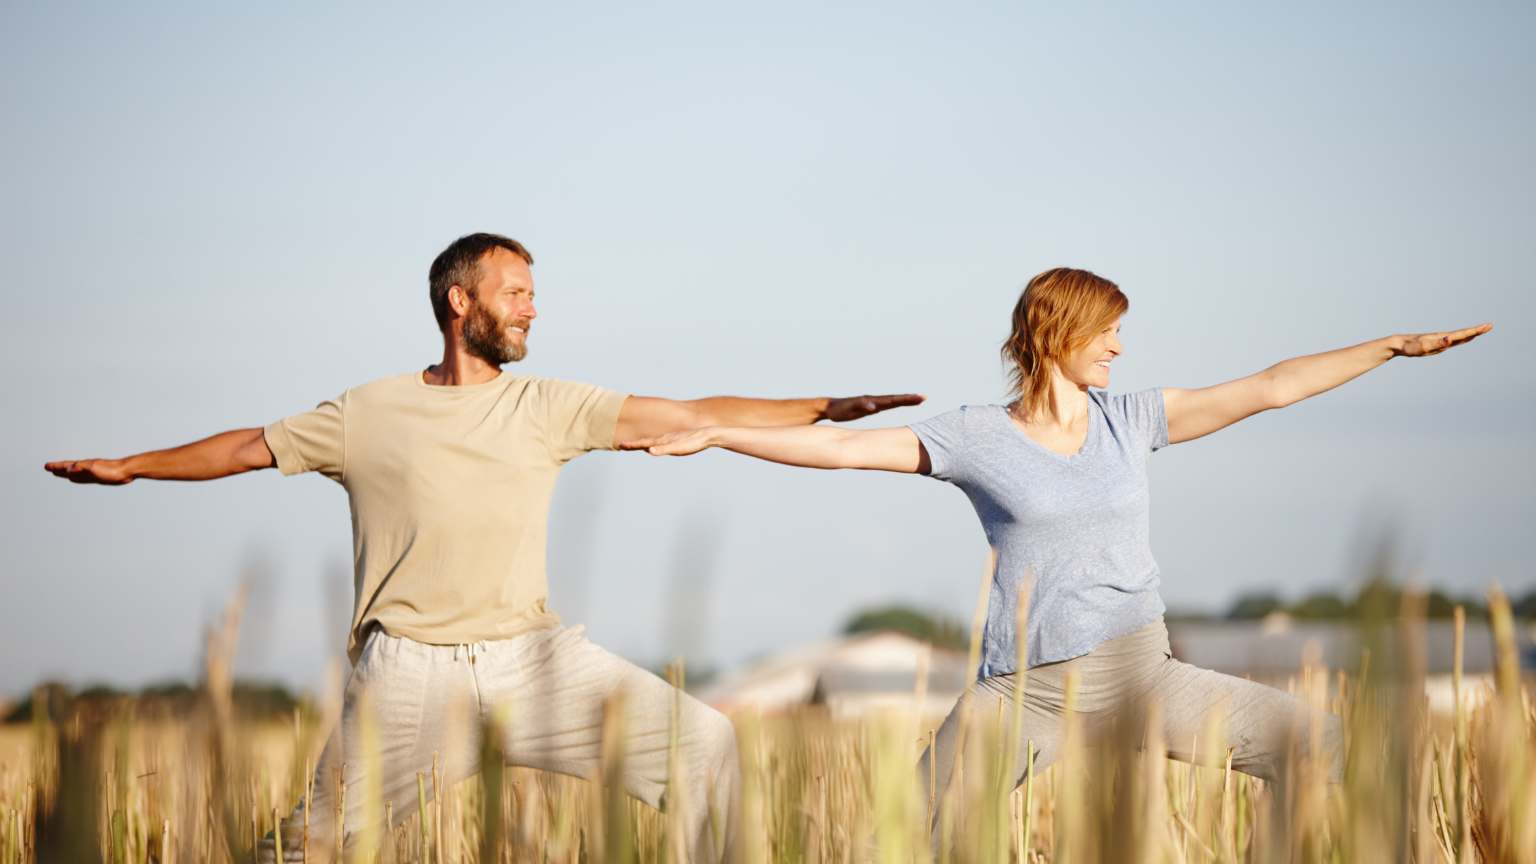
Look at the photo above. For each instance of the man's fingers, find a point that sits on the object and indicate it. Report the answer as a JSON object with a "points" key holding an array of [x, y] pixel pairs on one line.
{"points": [[638, 444], [66, 469], [898, 400], [874, 404]]}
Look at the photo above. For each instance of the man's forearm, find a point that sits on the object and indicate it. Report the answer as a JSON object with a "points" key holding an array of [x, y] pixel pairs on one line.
{"points": [[222, 455], [739, 411]]}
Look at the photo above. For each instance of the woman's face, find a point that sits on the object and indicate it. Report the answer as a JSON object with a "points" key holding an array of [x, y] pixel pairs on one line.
{"points": [[1089, 366]]}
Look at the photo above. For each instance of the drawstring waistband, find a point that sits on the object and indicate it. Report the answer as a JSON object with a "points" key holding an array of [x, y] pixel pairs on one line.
{"points": [[470, 649]]}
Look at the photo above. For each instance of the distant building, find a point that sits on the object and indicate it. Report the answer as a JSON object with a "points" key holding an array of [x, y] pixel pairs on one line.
{"points": [[1275, 646], [1273, 649], [854, 675], [850, 675]]}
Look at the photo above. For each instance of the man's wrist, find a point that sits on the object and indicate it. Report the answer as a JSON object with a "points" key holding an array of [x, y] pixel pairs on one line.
{"points": [[820, 405], [1396, 345]]}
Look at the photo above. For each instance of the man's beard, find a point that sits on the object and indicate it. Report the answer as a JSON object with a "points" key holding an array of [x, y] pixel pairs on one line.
{"points": [[488, 339]]}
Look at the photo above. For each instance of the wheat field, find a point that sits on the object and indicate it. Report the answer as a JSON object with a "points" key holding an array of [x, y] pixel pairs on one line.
{"points": [[112, 786]]}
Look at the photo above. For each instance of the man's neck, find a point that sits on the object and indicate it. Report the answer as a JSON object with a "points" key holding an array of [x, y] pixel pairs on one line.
{"points": [[459, 367]]}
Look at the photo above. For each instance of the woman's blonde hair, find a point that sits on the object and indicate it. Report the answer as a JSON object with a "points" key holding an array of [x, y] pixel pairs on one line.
{"points": [[1059, 312]]}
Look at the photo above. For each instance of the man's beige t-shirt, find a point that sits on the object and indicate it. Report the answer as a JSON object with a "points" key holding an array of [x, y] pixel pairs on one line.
{"points": [[450, 490]]}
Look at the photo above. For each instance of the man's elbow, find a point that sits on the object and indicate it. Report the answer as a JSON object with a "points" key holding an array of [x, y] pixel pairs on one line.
{"points": [[253, 454]]}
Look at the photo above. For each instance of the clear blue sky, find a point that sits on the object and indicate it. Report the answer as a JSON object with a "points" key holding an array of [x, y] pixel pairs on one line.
{"points": [[214, 218]]}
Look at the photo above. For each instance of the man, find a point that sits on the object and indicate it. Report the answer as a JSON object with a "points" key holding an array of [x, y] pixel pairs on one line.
{"points": [[450, 472]]}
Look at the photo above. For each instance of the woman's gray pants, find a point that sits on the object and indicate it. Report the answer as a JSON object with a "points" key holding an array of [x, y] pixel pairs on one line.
{"points": [[1260, 723]]}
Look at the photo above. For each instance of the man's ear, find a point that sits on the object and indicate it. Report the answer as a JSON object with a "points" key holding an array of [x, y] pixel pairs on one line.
{"points": [[458, 300]]}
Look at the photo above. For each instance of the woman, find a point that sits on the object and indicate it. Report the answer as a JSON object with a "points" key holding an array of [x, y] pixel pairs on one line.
{"points": [[1058, 479]]}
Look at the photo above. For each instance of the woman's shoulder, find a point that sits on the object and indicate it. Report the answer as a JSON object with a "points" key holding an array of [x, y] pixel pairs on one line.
{"points": [[1123, 401], [1140, 412], [963, 426], [971, 412]]}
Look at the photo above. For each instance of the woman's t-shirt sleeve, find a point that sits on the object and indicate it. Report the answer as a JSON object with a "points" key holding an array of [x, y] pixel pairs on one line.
{"points": [[1144, 417], [944, 439]]}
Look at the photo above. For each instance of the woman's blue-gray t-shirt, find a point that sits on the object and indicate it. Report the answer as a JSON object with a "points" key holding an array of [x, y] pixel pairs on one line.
{"points": [[1077, 527]]}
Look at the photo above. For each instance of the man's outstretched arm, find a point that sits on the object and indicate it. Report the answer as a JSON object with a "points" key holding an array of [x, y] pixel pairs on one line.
{"points": [[221, 455], [648, 416]]}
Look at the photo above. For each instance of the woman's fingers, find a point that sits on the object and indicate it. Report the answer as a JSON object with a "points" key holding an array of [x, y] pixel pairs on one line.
{"points": [[1469, 333], [671, 444], [685, 444], [1427, 344]]}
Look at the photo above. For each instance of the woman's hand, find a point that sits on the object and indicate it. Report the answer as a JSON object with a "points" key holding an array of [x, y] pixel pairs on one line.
{"points": [[684, 443], [1426, 344]]}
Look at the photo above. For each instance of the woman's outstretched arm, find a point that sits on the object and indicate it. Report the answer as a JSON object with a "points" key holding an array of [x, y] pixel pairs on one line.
{"points": [[1193, 413], [894, 449]]}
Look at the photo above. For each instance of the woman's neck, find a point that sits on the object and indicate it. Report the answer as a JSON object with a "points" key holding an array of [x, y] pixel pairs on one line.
{"points": [[1067, 409]]}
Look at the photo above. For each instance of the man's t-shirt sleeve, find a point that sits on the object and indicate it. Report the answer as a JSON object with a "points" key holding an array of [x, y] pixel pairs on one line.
{"points": [[312, 441], [1145, 417], [578, 417], [944, 439]]}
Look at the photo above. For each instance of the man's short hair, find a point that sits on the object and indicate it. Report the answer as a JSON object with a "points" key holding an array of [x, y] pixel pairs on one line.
{"points": [[459, 265]]}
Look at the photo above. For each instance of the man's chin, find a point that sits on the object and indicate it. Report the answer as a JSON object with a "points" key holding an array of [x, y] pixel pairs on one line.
{"points": [[505, 354]]}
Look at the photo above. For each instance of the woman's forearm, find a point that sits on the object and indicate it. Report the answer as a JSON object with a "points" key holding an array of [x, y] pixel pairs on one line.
{"points": [[1302, 377], [894, 449], [805, 446]]}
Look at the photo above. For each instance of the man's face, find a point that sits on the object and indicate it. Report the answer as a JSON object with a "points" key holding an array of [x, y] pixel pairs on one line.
{"points": [[500, 309]]}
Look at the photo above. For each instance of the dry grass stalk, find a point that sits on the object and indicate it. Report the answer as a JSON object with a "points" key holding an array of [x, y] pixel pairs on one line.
{"points": [[818, 788]]}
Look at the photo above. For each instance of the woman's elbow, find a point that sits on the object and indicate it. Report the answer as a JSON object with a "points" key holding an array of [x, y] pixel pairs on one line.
{"points": [[1272, 393]]}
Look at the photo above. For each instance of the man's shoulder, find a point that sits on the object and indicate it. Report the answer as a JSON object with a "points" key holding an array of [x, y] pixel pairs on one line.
{"points": [[409, 387], [389, 384]]}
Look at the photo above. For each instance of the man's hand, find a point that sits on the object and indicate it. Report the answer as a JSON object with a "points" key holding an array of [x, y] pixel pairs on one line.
{"points": [[854, 407], [106, 472], [1426, 344]]}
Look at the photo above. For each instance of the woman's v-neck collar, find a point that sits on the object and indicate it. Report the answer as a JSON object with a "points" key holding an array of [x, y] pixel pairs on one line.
{"points": [[1090, 439]]}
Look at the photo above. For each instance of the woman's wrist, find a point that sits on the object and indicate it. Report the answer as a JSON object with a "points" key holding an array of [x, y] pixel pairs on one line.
{"points": [[1395, 345]]}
